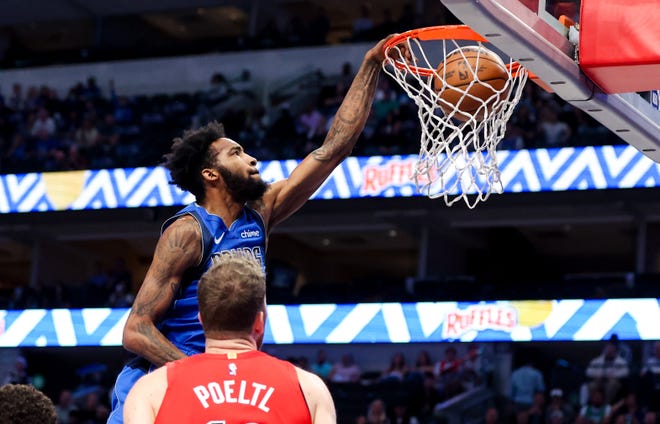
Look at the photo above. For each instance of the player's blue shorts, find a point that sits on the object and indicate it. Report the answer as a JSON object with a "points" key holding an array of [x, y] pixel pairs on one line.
{"points": [[128, 376]]}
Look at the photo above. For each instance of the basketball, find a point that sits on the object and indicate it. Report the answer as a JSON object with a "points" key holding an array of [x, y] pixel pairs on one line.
{"points": [[458, 71]]}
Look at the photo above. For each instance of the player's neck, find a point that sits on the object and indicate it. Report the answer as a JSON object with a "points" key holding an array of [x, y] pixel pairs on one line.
{"points": [[236, 345], [222, 205]]}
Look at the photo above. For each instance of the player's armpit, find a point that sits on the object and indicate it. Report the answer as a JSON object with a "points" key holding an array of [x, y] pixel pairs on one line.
{"points": [[178, 249]]}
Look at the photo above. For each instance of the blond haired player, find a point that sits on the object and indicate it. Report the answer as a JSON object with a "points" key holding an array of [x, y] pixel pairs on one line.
{"points": [[232, 382]]}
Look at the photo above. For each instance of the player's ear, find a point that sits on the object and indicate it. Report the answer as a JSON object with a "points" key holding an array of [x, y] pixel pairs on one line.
{"points": [[199, 317], [260, 322], [259, 328], [210, 174]]}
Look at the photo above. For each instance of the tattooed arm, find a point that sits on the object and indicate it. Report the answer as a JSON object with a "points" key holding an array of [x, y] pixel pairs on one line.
{"points": [[178, 249], [287, 196]]}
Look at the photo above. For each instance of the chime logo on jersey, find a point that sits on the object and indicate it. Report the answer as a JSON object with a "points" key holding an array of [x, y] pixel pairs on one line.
{"points": [[250, 233]]}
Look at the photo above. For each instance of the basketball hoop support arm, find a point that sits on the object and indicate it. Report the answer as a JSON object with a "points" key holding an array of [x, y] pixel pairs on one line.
{"points": [[530, 40]]}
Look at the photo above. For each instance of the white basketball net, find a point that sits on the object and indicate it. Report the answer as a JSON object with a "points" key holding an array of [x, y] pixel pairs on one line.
{"points": [[457, 159]]}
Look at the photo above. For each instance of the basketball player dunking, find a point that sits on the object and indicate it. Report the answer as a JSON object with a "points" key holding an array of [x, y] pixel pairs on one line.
{"points": [[233, 214], [232, 382]]}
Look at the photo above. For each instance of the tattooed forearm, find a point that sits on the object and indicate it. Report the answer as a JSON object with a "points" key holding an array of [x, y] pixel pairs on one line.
{"points": [[156, 348], [145, 305], [178, 249], [351, 116]]}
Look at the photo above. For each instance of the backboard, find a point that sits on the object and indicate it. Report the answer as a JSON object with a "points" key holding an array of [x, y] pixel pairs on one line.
{"points": [[529, 32]]}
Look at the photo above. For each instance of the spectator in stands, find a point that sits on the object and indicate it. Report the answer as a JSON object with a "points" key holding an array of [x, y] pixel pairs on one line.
{"points": [[322, 367], [559, 411], [91, 90], [109, 130], [397, 370], [525, 123], [19, 156], [346, 75], [121, 297], [448, 374], [87, 413], [98, 286], [16, 102], [522, 417], [377, 412], [424, 364], [331, 96], [474, 368], [123, 110], [87, 135], [24, 404], [526, 381], [44, 125], [385, 100], [363, 24], [311, 125], [300, 361], [492, 416], [32, 99], [650, 374], [623, 349], [346, 370], [65, 407], [596, 411], [650, 418], [219, 90], [627, 409], [401, 414], [283, 131], [608, 371], [18, 374], [120, 273], [556, 133], [244, 84], [512, 139], [429, 398], [536, 414]]}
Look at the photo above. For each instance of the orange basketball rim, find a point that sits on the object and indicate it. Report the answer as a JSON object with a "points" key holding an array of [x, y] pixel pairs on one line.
{"points": [[447, 32]]}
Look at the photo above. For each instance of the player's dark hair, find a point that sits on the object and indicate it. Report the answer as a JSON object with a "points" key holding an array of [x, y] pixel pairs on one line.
{"points": [[231, 294], [189, 155], [22, 403]]}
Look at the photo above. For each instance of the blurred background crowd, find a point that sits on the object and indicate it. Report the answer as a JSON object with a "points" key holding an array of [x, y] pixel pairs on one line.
{"points": [[93, 125]]}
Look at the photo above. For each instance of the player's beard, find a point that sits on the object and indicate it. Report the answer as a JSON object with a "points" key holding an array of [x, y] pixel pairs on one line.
{"points": [[243, 189]]}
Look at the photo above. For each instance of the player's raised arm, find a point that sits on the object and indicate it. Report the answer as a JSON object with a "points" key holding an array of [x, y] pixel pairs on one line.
{"points": [[287, 196], [178, 249]]}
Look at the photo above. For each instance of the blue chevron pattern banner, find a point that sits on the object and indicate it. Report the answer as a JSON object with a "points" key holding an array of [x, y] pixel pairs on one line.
{"points": [[579, 168], [555, 320]]}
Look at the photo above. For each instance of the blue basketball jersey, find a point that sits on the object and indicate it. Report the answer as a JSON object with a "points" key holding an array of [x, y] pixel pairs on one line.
{"points": [[245, 236]]}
